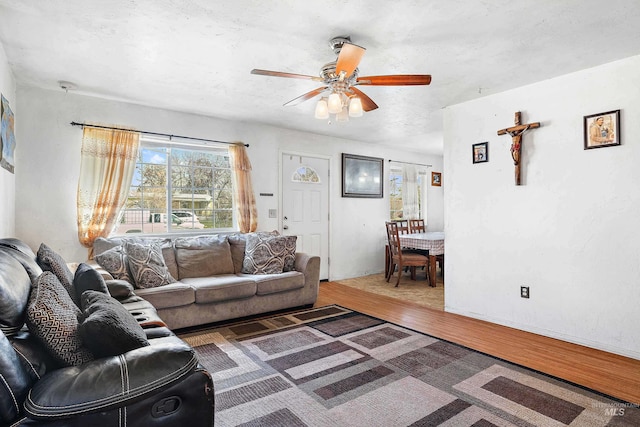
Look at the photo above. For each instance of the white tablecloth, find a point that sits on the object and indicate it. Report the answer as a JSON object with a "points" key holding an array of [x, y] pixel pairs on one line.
{"points": [[433, 241]]}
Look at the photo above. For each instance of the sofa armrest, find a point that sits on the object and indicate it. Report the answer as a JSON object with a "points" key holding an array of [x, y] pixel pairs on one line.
{"points": [[310, 266], [112, 382]]}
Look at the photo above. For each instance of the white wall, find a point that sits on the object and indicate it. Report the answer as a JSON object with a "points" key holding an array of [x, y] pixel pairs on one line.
{"points": [[570, 232], [46, 190], [7, 179]]}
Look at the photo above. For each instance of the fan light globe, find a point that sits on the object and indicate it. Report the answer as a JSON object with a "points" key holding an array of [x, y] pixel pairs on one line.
{"points": [[343, 115], [335, 103], [355, 107], [322, 110]]}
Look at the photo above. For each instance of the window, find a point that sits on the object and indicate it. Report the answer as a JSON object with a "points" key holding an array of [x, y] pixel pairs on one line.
{"points": [[305, 174], [177, 188], [395, 194]]}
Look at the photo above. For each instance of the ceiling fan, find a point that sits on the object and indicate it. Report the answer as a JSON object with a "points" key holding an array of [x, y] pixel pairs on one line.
{"points": [[340, 78]]}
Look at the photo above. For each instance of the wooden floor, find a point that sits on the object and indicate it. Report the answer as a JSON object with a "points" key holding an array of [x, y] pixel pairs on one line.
{"points": [[607, 373]]}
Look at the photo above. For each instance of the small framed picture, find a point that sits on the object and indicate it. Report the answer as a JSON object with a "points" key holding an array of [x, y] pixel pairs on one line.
{"points": [[481, 152], [436, 179], [602, 130]]}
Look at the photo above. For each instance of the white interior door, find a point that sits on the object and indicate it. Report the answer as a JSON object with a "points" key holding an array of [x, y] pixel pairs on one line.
{"points": [[305, 205]]}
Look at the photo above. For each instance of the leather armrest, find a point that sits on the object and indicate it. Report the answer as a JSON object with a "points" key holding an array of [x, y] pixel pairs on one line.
{"points": [[112, 382]]}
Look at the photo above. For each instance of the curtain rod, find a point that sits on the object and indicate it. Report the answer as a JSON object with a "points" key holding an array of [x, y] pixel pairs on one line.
{"points": [[155, 133], [411, 163]]}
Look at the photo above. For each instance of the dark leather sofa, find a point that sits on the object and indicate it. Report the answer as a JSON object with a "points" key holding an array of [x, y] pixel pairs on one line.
{"points": [[160, 384]]}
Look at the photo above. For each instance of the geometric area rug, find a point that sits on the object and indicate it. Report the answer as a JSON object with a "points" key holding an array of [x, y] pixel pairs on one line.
{"points": [[331, 366]]}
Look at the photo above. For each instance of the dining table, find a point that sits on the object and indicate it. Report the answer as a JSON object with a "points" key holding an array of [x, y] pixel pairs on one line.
{"points": [[432, 241]]}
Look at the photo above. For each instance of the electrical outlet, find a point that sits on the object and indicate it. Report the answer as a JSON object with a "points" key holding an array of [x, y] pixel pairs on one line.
{"points": [[524, 291]]}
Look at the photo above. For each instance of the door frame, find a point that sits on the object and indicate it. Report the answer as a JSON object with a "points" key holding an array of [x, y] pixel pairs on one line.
{"points": [[329, 159]]}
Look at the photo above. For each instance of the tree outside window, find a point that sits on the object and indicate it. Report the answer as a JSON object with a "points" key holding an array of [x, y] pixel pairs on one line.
{"points": [[178, 189]]}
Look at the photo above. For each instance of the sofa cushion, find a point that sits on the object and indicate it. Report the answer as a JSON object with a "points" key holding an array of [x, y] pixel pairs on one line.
{"points": [[107, 328], [115, 261], [237, 242], [174, 295], [267, 254], [50, 260], [224, 287], [52, 317], [273, 283], [146, 265], [88, 278], [203, 256], [15, 285]]}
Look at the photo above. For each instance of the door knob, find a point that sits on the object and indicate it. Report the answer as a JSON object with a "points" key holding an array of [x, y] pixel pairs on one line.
{"points": [[286, 227]]}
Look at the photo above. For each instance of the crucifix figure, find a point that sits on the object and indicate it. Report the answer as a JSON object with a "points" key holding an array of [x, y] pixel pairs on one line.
{"points": [[516, 133]]}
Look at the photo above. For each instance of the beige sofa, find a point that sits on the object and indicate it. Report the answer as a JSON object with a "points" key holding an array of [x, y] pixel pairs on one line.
{"points": [[210, 285]]}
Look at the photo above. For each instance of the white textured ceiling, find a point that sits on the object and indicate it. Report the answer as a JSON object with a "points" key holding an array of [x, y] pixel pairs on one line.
{"points": [[196, 55]]}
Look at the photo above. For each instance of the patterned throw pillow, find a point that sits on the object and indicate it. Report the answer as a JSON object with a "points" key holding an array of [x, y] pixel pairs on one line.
{"points": [[147, 266], [49, 260], [265, 254], [52, 317], [290, 253], [115, 262]]}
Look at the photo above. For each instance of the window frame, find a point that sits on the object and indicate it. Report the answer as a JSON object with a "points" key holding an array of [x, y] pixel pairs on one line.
{"points": [[422, 177], [153, 142]]}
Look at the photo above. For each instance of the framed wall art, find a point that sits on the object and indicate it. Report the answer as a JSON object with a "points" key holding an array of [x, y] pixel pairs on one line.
{"points": [[602, 130], [480, 152], [361, 176], [436, 179]]}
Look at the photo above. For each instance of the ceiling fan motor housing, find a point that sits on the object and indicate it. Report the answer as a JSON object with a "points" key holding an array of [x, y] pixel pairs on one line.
{"points": [[336, 43]]}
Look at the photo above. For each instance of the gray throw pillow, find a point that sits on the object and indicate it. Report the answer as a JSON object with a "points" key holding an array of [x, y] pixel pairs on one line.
{"points": [[107, 328], [52, 317], [265, 254], [114, 260], [50, 260], [87, 278], [147, 266]]}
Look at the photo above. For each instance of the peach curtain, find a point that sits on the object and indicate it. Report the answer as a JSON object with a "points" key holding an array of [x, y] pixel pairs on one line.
{"points": [[243, 194], [108, 161]]}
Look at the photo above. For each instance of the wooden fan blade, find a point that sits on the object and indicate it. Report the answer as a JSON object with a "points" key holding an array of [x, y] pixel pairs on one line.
{"points": [[281, 74], [367, 103], [306, 96], [349, 58], [395, 80]]}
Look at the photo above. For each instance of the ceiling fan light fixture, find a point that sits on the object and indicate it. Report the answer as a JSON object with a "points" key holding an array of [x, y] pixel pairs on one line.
{"points": [[322, 109], [355, 107], [343, 115], [335, 103]]}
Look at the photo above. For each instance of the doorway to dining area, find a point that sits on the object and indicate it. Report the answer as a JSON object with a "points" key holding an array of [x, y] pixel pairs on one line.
{"points": [[414, 291]]}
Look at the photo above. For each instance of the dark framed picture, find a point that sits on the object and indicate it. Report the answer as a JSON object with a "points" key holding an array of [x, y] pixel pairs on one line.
{"points": [[481, 152], [602, 130], [361, 176], [436, 179]]}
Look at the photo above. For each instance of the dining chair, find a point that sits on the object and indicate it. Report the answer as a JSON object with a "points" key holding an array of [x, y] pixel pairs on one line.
{"points": [[401, 258], [403, 226], [417, 226]]}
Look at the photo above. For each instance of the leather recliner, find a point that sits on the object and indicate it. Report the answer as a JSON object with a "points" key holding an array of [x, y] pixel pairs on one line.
{"points": [[161, 384]]}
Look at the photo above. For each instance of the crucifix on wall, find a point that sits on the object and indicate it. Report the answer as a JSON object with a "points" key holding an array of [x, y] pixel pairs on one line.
{"points": [[516, 133]]}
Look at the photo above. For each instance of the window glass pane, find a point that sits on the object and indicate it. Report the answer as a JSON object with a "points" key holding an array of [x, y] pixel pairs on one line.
{"points": [[305, 174], [395, 194], [197, 178]]}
